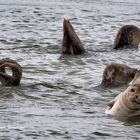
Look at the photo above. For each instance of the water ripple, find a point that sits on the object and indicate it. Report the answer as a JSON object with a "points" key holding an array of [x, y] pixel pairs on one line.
{"points": [[60, 96]]}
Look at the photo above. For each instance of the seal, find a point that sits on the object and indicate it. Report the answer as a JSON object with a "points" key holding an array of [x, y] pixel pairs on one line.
{"points": [[126, 104], [128, 36], [15, 78], [136, 79], [71, 43], [117, 74]]}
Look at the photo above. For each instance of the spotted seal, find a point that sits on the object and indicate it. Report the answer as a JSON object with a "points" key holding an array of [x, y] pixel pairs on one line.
{"points": [[126, 104], [71, 43], [128, 36], [15, 78], [117, 74]]}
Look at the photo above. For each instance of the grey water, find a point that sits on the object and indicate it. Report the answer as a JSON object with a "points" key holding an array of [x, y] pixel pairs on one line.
{"points": [[59, 97]]}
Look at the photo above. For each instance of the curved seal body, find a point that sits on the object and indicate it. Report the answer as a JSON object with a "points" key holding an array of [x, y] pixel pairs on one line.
{"points": [[126, 104], [128, 36], [15, 78], [71, 43], [136, 79], [116, 74]]}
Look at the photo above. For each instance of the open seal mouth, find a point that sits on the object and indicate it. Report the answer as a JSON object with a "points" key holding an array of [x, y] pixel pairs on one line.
{"points": [[135, 99], [8, 79]]}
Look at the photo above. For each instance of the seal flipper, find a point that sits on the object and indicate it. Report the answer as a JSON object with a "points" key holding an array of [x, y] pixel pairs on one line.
{"points": [[111, 103], [71, 43]]}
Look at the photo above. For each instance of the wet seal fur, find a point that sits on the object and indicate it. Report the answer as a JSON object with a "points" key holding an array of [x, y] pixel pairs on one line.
{"points": [[127, 104], [71, 43], [136, 79], [128, 36], [15, 78], [117, 74]]}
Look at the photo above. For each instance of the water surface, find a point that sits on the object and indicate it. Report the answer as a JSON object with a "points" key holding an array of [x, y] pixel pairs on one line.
{"points": [[59, 97]]}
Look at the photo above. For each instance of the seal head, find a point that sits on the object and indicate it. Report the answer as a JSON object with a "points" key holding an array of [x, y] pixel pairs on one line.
{"points": [[133, 94], [117, 74], [128, 36]]}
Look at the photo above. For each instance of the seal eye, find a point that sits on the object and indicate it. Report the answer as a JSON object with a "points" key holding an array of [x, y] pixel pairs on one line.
{"points": [[132, 90], [122, 69]]}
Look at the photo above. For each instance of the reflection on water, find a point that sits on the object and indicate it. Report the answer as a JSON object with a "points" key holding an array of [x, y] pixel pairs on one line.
{"points": [[59, 96]]}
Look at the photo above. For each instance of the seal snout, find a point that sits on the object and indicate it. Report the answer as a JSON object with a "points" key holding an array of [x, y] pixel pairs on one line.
{"points": [[136, 96]]}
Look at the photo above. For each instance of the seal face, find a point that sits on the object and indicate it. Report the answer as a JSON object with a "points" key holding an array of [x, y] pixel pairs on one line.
{"points": [[15, 78], [126, 104], [71, 43], [128, 36], [133, 94], [117, 74]]}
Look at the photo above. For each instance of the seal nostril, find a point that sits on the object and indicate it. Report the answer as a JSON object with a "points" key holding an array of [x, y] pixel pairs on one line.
{"points": [[132, 90], [136, 96]]}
